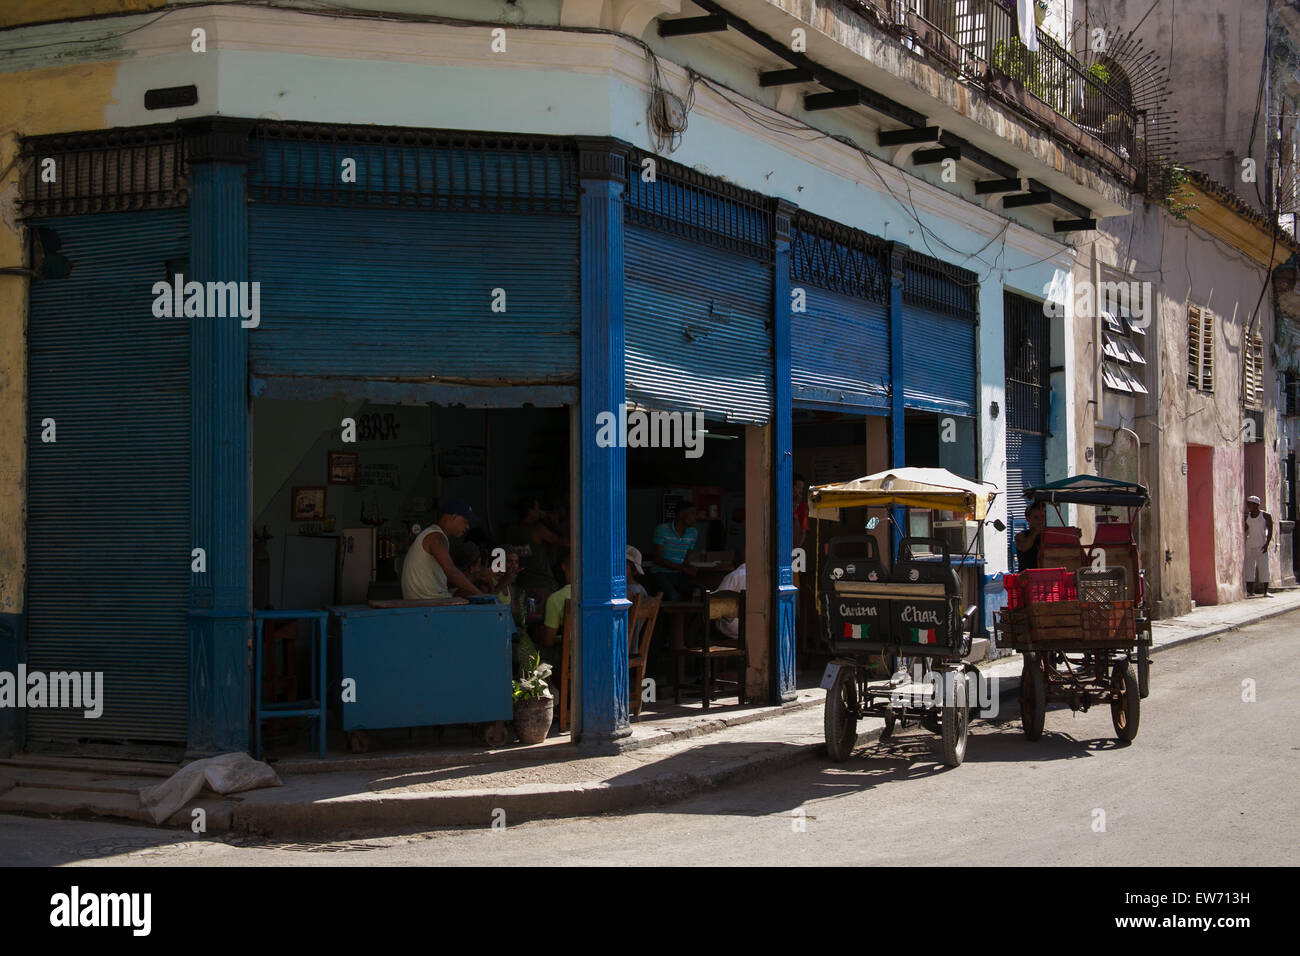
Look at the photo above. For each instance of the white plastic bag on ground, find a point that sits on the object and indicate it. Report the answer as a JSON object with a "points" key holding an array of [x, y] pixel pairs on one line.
{"points": [[227, 773]]}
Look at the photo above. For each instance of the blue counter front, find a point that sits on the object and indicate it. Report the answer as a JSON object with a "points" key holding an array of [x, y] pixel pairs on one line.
{"points": [[422, 666]]}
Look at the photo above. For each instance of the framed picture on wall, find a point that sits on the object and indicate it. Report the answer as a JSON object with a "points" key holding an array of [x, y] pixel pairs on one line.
{"points": [[307, 504], [342, 468]]}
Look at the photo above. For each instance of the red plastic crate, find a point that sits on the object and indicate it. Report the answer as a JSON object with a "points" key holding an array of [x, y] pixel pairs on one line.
{"points": [[1015, 597], [1048, 584]]}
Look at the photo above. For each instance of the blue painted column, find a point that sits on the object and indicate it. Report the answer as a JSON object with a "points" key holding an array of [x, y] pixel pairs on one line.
{"points": [[783, 659], [897, 374], [603, 716], [220, 494]]}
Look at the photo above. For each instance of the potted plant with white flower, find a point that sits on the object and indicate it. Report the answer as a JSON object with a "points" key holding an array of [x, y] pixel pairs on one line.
{"points": [[534, 705]]}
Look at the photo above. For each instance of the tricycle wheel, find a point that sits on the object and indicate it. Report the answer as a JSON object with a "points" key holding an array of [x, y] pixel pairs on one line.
{"points": [[973, 705], [1033, 697], [956, 723], [1144, 671], [1125, 707], [841, 714]]}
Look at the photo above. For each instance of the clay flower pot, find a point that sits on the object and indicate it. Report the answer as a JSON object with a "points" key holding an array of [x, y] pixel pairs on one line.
{"points": [[533, 719]]}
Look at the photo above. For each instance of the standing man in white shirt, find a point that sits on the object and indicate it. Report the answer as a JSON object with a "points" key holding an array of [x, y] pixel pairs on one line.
{"points": [[1259, 534], [428, 567]]}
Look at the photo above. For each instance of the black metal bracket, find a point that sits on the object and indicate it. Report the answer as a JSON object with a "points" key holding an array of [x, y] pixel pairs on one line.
{"points": [[690, 26], [1074, 225], [908, 137], [990, 186], [785, 77], [833, 100], [924, 157]]}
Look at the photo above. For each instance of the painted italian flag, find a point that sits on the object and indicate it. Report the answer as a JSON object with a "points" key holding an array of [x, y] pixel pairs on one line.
{"points": [[855, 632], [923, 636]]}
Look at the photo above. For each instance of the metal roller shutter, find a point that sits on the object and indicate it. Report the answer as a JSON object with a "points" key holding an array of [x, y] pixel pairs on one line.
{"points": [[940, 361], [839, 351], [1025, 469], [698, 328], [108, 503], [408, 294]]}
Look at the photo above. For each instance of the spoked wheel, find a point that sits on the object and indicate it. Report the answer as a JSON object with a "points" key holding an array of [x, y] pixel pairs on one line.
{"points": [[1125, 707], [1033, 697], [1144, 671], [841, 714], [956, 723]]}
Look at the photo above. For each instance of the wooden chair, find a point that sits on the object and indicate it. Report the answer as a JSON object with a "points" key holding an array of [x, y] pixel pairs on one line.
{"points": [[717, 605], [642, 617], [566, 667]]}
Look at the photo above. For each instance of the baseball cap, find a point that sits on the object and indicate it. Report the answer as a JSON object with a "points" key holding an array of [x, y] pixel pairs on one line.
{"points": [[454, 506], [634, 556], [1252, 500]]}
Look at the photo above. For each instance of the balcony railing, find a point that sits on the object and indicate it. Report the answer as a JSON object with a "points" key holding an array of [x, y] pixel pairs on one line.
{"points": [[979, 39]]}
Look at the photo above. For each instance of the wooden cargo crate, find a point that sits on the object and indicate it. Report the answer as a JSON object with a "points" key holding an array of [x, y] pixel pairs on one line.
{"points": [[1108, 621]]}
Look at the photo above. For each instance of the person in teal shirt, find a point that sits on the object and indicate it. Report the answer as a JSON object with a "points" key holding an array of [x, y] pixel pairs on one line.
{"points": [[673, 541]]}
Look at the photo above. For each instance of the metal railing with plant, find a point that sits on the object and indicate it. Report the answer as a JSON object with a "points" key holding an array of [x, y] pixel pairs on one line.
{"points": [[989, 50]]}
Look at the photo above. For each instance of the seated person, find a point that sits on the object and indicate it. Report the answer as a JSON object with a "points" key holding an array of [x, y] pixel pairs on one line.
{"points": [[673, 541], [553, 622], [634, 587], [428, 571], [735, 581]]}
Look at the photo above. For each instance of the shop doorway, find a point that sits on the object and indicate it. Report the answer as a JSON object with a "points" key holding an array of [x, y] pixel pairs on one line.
{"points": [[1200, 524], [335, 518]]}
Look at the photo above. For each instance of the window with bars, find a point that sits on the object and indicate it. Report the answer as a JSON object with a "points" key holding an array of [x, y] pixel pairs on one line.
{"points": [[1253, 396], [1123, 366], [1200, 348]]}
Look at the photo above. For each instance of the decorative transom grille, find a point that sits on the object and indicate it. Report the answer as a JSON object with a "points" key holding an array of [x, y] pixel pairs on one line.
{"points": [[395, 167], [670, 197], [834, 257], [936, 285]]}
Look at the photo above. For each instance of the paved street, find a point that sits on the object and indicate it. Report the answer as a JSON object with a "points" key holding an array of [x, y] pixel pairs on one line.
{"points": [[1210, 780]]}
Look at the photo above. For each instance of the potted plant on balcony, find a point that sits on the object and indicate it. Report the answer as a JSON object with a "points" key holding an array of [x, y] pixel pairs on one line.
{"points": [[534, 705]]}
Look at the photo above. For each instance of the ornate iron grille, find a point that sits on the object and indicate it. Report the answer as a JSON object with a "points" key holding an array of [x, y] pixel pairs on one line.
{"points": [[104, 171], [932, 284], [1027, 343], [694, 206], [835, 257], [402, 168]]}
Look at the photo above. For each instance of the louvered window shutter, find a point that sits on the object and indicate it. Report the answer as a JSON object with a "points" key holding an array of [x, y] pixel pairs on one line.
{"points": [[1194, 347]]}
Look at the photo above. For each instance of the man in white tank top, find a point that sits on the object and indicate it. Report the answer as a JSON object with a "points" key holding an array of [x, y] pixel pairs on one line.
{"points": [[1259, 533], [428, 572]]}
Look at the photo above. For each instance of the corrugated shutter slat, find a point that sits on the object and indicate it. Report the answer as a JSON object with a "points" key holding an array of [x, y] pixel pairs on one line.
{"points": [[108, 505]]}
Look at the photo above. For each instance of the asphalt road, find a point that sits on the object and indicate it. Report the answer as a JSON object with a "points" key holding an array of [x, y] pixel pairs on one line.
{"points": [[1210, 780]]}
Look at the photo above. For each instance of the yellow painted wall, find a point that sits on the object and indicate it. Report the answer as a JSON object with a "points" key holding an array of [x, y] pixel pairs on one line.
{"points": [[37, 102], [16, 12]]}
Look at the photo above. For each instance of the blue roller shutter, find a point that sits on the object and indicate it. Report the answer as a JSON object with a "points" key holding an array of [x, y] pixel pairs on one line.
{"points": [[408, 295], [839, 352], [698, 328], [940, 335], [939, 361], [839, 348], [108, 503]]}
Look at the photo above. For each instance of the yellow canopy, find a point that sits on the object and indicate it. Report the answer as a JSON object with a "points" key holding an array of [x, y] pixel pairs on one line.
{"points": [[903, 487]]}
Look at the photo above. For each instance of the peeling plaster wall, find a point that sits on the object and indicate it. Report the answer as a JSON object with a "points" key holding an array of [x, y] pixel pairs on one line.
{"points": [[1201, 270]]}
